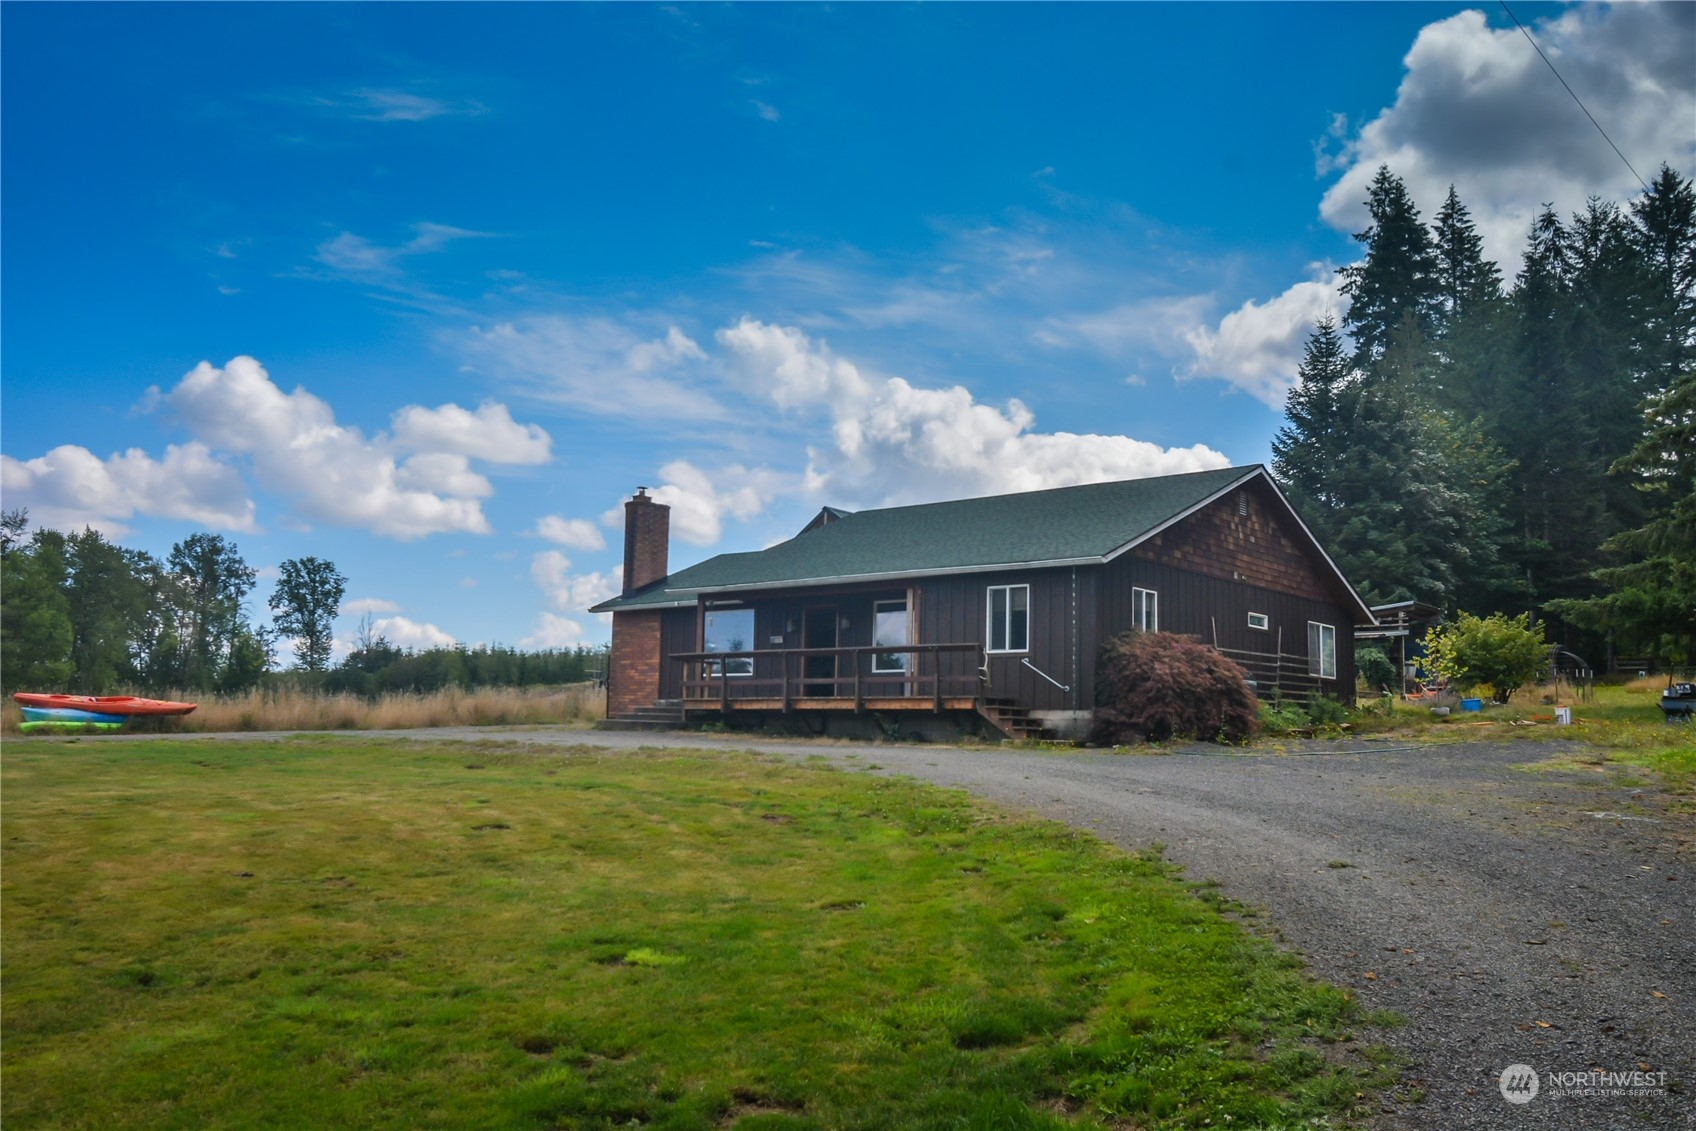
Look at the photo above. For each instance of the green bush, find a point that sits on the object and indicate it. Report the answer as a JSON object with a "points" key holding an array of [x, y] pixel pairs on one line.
{"points": [[1375, 668], [1505, 653], [1282, 718], [1293, 715], [1156, 685], [1327, 712]]}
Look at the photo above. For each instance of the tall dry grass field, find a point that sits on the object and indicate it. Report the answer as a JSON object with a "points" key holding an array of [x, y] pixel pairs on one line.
{"points": [[294, 708]]}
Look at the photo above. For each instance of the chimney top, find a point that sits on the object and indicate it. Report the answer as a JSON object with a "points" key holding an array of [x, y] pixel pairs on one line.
{"points": [[647, 529]]}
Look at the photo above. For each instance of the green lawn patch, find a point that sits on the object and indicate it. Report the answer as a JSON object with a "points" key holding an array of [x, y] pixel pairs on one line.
{"points": [[340, 933]]}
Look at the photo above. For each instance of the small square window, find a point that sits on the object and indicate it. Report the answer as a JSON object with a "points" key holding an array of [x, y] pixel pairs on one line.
{"points": [[1260, 622]]}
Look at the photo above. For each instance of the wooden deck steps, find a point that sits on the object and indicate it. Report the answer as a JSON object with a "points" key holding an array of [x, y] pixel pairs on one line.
{"points": [[1013, 720], [665, 714]]}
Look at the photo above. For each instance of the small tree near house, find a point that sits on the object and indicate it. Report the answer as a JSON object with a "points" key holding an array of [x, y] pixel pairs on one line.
{"points": [[1156, 685], [1501, 652]]}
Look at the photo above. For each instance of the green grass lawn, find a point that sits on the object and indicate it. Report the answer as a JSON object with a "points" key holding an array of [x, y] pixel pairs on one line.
{"points": [[334, 933]]}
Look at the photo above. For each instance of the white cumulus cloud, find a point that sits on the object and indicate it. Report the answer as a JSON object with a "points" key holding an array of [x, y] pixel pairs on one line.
{"points": [[573, 592], [578, 533], [554, 631], [701, 500], [1477, 108], [406, 486], [70, 487], [361, 606], [403, 632], [894, 442], [489, 434], [1258, 346]]}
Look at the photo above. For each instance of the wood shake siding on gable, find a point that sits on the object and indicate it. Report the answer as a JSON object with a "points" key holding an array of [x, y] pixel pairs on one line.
{"points": [[1254, 548]]}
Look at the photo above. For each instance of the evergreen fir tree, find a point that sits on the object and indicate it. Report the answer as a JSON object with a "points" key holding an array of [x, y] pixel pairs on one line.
{"points": [[1539, 420], [1651, 602], [1396, 489], [1664, 232], [1308, 446], [1398, 273], [1609, 295], [1464, 278]]}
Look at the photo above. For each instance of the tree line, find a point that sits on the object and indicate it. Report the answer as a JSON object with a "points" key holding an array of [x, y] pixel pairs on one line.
{"points": [[80, 614], [1512, 446]]}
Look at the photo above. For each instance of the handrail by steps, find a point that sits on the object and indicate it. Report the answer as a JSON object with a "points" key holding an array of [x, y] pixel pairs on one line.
{"points": [[1027, 663]]}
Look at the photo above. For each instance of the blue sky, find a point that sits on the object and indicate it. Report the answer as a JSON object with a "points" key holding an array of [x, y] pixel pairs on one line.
{"points": [[427, 290]]}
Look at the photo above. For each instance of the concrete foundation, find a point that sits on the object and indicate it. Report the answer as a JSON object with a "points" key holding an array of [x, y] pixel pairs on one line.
{"points": [[1070, 726]]}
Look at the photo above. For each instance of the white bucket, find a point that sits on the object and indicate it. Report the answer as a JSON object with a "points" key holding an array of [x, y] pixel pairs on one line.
{"points": [[1563, 716]]}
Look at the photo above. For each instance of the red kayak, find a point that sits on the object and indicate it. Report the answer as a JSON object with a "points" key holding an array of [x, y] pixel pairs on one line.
{"points": [[107, 704]]}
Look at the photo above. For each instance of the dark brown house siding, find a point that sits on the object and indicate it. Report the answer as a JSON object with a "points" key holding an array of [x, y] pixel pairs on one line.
{"points": [[1215, 612], [1237, 556], [679, 632], [956, 609]]}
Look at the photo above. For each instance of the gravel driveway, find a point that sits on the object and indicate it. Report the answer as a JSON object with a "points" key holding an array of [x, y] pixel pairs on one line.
{"points": [[1512, 917]]}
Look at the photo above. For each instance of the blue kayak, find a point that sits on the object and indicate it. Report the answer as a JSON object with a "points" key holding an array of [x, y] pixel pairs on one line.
{"points": [[68, 715]]}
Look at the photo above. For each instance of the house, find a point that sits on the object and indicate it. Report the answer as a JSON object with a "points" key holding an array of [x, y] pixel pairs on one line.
{"points": [[978, 613]]}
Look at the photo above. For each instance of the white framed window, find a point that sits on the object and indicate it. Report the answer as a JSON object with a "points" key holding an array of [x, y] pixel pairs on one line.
{"points": [[1145, 609], [1260, 622], [1321, 650], [889, 630], [1009, 618], [729, 630]]}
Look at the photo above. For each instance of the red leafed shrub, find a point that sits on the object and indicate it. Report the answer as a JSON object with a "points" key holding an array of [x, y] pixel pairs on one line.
{"points": [[1154, 685]]}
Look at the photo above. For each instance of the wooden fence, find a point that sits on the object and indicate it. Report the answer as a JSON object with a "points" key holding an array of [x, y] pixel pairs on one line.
{"points": [[1277, 675]]}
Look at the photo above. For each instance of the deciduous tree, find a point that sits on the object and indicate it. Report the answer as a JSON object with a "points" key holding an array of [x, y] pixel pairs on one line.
{"points": [[214, 582], [304, 605]]}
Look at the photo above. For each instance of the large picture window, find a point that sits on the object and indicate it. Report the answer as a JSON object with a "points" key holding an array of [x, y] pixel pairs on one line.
{"points": [[1009, 618], [1321, 650], [729, 630], [1145, 609], [889, 630]]}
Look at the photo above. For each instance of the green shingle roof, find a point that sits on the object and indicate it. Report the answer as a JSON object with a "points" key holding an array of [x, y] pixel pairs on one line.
{"points": [[1059, 526]]}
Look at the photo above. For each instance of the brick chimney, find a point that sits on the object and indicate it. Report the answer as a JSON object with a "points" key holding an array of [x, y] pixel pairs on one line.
{"points": [[647, 537]]}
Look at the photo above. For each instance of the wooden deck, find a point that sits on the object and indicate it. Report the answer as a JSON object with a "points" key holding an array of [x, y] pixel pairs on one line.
{"points": [[931, 677]]}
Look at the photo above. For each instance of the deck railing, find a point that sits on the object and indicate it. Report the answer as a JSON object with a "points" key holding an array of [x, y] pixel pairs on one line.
{"points": [[934, 672]]}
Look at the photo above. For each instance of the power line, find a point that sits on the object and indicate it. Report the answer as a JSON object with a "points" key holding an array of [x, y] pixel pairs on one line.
{"points": [[1569, 90]]}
